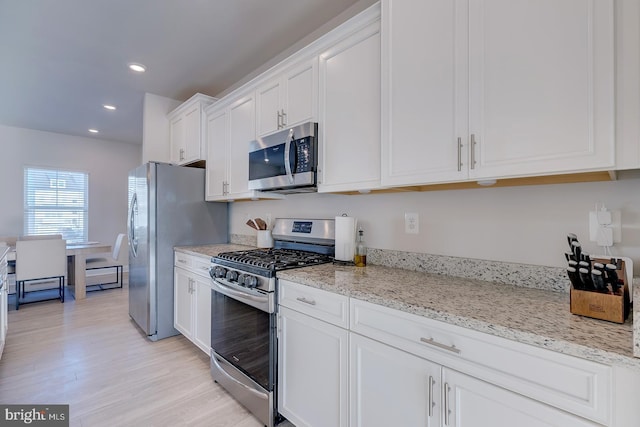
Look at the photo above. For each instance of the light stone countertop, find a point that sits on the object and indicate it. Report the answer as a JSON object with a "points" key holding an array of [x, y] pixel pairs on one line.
{"points": [[532, 316], [209, 251]]}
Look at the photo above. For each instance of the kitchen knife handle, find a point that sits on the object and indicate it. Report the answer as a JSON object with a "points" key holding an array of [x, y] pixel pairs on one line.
{"points": [[598, 281], [574, 277], [585, 277]]}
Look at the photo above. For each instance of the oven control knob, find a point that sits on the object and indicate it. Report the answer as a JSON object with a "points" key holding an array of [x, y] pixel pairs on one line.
{"points": [[250, 281], [232, 276], [219, 272]]}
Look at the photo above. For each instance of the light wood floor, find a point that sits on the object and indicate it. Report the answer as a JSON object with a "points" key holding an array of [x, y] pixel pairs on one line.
{"points": [[89, 354]]}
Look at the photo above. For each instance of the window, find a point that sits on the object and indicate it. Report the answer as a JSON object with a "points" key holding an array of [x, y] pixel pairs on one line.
{"points": [[56, 202]]}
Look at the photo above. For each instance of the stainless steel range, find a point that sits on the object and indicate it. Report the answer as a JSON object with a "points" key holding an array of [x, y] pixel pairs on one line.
{"points": [[243, 309]]}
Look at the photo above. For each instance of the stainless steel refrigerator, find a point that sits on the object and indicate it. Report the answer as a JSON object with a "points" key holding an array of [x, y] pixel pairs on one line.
{"points": [[166, 209]]}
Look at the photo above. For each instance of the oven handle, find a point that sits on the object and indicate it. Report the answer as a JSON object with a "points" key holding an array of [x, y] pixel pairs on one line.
{"points": [[263, 303]]}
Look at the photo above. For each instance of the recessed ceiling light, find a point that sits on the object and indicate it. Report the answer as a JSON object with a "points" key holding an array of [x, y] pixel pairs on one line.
{"points": [[138, 68], [93, 130], [109, 107]]}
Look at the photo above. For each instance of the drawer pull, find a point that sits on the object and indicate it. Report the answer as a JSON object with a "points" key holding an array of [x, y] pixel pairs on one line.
{"points": [[306, 301], [183, 261], [434, 343]]}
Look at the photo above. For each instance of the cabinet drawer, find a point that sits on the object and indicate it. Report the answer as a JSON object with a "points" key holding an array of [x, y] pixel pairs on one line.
{"points": [[323, 305], [201, 266], [566, 382], [192, 263]]}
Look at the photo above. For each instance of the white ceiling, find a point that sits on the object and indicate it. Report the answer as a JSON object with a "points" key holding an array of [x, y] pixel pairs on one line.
{"points": [[61, 60]]}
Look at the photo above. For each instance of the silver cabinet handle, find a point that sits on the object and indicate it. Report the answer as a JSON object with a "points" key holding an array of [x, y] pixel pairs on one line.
{"points": [[182, 154], [183, 261], [431, 402], [306, 301], [473, 151], [459, 154], [284, 118], [447, 408], [279, 120], [431, 341]]}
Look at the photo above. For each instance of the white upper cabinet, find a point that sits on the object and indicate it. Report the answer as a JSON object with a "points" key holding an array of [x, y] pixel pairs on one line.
{"points": [[496, 88], [423, 104], [541, 86], [349, 114], [288, 99], [187, 130], [230, 128], [627, 84]]}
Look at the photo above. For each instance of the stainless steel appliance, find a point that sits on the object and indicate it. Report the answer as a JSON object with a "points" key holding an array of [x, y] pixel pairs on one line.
{"points": [[243, 310], [286, 161], [166, 209]]}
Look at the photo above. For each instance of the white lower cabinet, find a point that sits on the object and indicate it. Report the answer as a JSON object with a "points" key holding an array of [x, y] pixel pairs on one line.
{"points": [[344, 361], [312, 358], [470, 402], [192, 300], [390, 387]]}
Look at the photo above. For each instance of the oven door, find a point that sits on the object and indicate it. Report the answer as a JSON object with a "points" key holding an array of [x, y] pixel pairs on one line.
{"points": [[244, 335]]}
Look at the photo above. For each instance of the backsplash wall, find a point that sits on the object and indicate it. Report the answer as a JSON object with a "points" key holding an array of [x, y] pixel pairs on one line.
{"points": [[526, 225]]}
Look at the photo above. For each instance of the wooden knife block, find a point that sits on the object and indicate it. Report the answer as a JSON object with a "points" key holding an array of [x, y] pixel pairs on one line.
{"points": [[614, 308]]}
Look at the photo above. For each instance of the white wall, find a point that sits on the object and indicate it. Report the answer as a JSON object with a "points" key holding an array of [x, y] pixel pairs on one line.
{"points": [[514, 224], [108, 164], [156, 146]]}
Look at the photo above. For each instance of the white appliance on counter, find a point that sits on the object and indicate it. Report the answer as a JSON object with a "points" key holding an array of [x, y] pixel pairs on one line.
{"points": [[166, 209]]}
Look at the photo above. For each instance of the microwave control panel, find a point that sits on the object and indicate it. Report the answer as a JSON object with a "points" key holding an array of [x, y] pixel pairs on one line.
{"points": [[305, 154]]}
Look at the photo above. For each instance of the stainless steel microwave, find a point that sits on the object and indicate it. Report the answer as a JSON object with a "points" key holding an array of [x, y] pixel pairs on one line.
{"points": [[285, 161]]}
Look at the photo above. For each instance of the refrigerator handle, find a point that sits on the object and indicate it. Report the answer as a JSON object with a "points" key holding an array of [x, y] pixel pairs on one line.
{"points": [[133, 241]]}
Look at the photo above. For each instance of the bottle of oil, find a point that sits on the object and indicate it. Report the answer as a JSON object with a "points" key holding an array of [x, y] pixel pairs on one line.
{"points": [[360, 259]]}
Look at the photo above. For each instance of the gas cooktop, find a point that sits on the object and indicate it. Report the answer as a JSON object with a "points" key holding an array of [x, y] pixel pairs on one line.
{"points": [[272, 259]]}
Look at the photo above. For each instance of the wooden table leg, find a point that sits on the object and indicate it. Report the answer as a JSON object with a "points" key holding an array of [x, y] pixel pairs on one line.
{"points": [[76, 279], [80, 276]]}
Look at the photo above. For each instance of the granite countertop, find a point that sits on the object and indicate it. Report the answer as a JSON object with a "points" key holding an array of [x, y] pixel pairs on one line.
{"points": [[209, 251], [532, 316]]}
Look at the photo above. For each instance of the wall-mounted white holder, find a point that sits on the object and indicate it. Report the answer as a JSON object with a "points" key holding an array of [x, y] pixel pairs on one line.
{"points": [[605, 227]]}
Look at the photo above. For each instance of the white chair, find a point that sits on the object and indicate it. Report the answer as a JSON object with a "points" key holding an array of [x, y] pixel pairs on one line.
{"points": [[117, 260], [38, 260]]}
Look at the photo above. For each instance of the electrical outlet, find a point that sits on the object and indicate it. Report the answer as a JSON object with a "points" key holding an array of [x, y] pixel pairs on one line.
{"points": [[600, 220], [411, 223]]}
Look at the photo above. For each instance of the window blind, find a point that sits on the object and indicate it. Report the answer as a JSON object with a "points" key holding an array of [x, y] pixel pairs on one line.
{"points": [[56, 202]]}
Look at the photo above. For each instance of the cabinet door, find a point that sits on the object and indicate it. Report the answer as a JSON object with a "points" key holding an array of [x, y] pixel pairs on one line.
{"points": [[541, 86], [300, 97], [202, 318], [269, 106], [349, 116], [424, 93], [177, 138], [182, 312], [470, 402], [216, 172], [242, 130], [192, 135], [312, 371], [389, 387]]}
